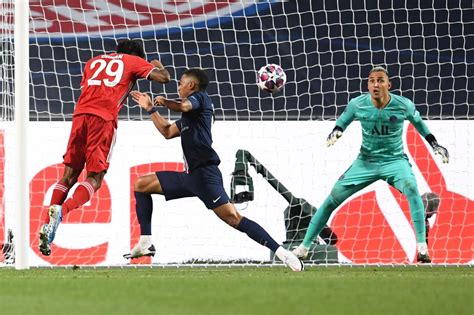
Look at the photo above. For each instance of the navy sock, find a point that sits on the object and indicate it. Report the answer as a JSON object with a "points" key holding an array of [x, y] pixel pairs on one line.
{"points": [[257, 233], [144, 209]]}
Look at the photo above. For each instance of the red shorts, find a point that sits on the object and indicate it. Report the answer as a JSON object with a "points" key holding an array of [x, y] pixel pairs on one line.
{"points": [[91, 142]]}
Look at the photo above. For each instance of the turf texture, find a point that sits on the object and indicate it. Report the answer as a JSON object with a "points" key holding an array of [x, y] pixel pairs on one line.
{"points": [[264, 290]]}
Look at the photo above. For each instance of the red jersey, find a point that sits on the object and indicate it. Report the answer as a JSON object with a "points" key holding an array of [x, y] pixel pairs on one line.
{"points": [[106, 82]]}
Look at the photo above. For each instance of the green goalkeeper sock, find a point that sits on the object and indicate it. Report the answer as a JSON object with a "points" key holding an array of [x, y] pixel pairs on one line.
{"points": [[418, 217], [319, 220], [410, 190]]}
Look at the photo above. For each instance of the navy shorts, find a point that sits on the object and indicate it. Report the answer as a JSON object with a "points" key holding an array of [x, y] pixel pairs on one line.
{"points": [[204, 182]]}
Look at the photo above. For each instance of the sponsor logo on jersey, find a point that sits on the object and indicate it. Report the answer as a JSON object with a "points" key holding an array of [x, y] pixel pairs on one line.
{"points": [[383, 130]]}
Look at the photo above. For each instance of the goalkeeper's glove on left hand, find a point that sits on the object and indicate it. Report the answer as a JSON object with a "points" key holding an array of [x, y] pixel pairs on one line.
{"points": [[437, 149], [335, 134]]}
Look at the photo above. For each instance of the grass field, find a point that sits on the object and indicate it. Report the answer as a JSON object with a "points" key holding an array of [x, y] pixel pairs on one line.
{"points": [[318, 290]]}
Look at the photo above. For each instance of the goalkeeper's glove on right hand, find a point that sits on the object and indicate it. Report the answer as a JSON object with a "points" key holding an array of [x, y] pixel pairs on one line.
{"points": [[437, 149], [335, 134]]}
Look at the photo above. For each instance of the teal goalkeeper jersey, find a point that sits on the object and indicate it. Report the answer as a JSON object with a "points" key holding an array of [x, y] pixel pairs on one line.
{"points": [[382, 129]]}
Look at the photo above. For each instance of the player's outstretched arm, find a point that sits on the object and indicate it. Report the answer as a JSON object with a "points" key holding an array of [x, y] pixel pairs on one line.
{"points": [[143, 99], [168, 130], [437, 149], [342, 122], [415, 118], [335, 134], [159, 74], [182, 106]]}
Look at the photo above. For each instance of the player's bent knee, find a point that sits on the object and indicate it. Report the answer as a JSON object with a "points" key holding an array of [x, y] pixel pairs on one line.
{"points": [[70, 176], [233, 221], [410, 188], [337, 196], [96, 183], [340, 192], [140, 185], [95, 179], [330, 204], [69, 181], [228, 214], [148, 184]]}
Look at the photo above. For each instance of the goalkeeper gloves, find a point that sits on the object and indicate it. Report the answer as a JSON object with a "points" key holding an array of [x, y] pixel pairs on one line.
{"points": [[437, 149], [335, 134]]}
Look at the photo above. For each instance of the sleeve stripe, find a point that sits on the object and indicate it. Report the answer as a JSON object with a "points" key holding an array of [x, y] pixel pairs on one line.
{"points": [[146, 77]]}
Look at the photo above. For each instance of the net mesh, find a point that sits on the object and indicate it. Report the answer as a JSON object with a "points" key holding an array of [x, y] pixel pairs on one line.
{"points": [[326, 49]]}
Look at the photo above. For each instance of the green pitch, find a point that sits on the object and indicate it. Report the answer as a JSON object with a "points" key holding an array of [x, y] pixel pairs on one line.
{"points": [[319, 290]]}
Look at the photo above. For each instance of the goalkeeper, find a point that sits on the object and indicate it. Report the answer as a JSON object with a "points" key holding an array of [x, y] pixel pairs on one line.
{"points": [[382, 115]]}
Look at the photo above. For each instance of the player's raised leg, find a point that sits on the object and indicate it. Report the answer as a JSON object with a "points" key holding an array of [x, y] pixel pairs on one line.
{"points": [[359, 175], [91, 142], [318, 221], [62, 187], [82, 195], [54, 215], [229, 214], [208, 185], [84, 191]]}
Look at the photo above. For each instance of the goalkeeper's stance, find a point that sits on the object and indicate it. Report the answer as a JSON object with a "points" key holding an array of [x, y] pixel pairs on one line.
{"points": [[382, 115], [202, 177]]}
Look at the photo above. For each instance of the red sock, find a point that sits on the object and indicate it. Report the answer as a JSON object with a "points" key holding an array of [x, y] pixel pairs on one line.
{"points": [[82, 194], [60, 192]]}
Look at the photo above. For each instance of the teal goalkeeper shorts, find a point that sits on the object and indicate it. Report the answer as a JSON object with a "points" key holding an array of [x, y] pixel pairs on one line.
{"points": [[363, 173]]}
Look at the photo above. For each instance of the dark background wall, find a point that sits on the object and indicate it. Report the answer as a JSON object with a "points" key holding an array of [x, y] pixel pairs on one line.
{"points": [[325, 47]]}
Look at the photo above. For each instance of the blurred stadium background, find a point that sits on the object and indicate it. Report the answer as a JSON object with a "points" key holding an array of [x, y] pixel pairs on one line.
{"points": [[325, 47]]}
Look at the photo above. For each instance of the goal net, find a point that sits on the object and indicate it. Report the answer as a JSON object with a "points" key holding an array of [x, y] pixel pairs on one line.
{"points": [[326, 49]]}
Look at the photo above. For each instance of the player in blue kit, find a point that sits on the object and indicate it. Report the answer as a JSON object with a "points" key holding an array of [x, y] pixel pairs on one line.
{"points": [[382, 116], [202, 177]]}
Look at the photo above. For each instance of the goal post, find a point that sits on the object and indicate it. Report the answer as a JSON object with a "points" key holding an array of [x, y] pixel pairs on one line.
{"points": [[326, 49], [22, 106]]}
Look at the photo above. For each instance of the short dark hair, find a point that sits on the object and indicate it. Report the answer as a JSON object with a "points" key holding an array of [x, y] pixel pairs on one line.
{"points": [[130, 47], [379, 68], [200, 75]]}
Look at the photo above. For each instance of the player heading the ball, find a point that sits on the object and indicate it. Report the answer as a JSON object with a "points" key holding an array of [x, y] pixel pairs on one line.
{"points": [[106, 83]]}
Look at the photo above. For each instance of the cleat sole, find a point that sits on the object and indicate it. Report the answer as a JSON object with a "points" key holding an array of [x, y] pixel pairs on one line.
{"points": [[43, 245]]}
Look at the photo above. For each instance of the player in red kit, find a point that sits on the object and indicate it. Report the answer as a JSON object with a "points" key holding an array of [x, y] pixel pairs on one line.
{"points": [[106, 82]]}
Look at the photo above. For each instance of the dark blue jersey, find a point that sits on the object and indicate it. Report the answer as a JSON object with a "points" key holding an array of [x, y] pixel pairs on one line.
{"points": [[196, 138]]}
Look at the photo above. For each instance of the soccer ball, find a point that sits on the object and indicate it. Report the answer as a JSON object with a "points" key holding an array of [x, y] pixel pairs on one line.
{"points": [[271, 78]]}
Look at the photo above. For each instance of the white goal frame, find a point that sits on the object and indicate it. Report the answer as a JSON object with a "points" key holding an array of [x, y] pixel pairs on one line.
{"points": [[22, 105]]}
